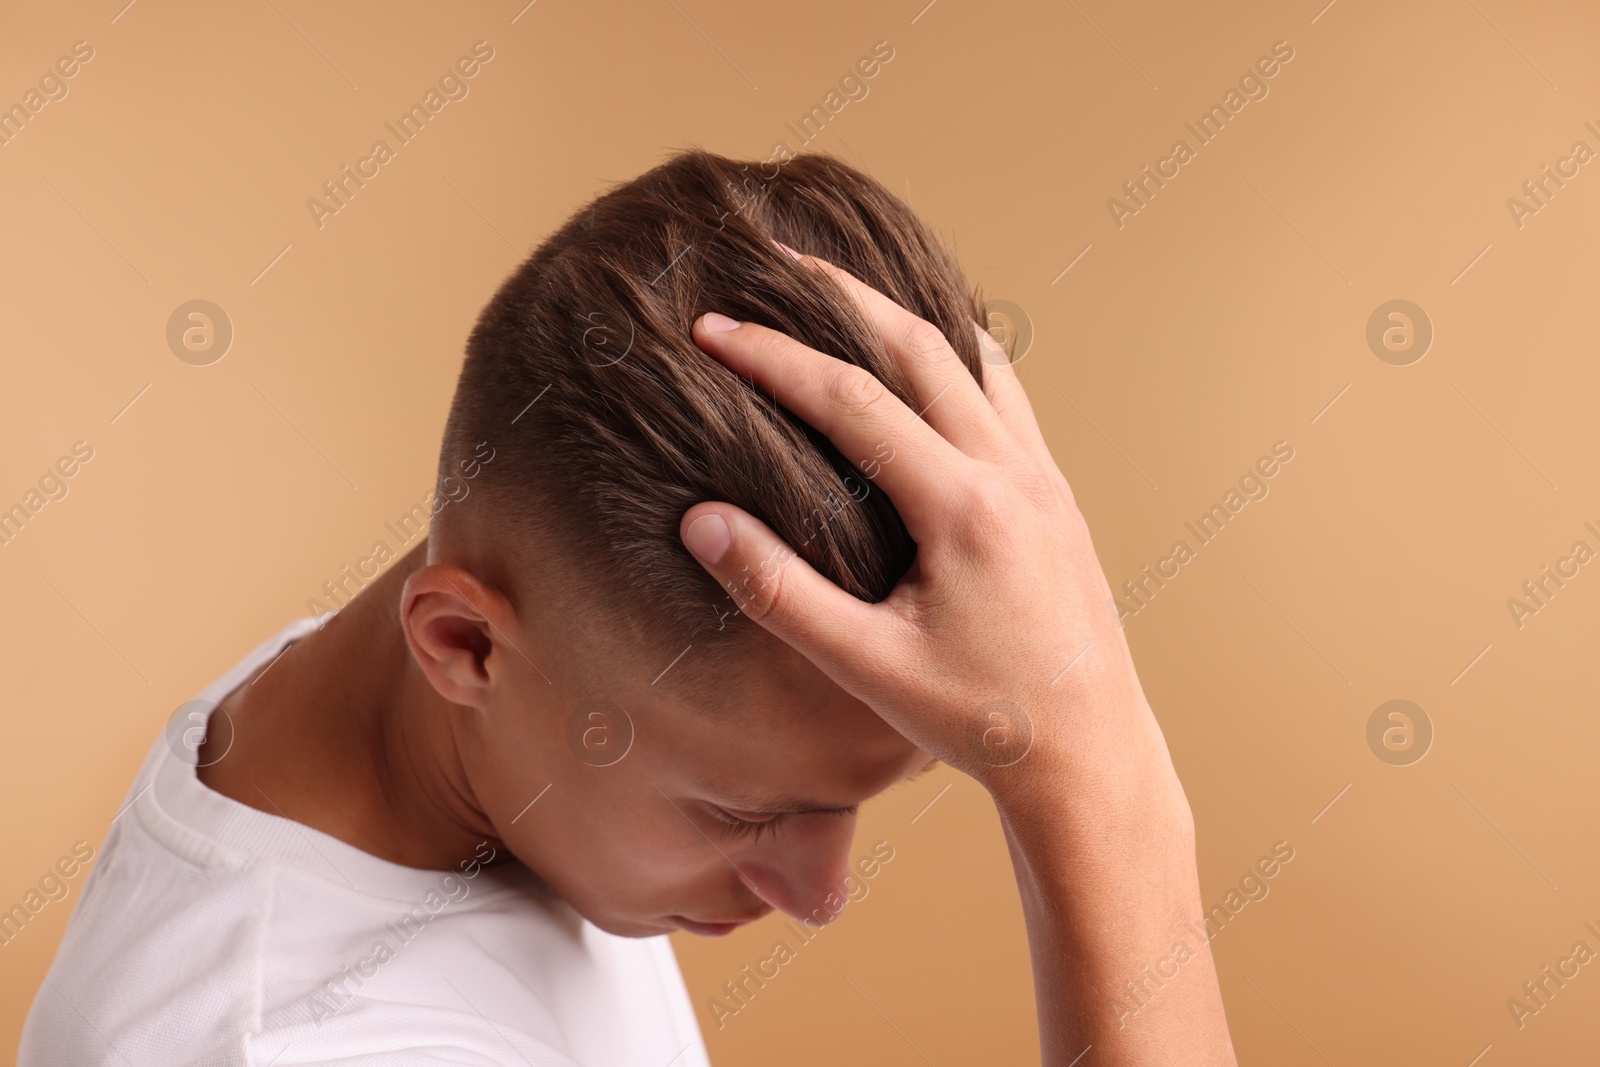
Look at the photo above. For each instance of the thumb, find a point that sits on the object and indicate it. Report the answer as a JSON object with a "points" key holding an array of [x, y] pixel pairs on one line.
{"points": [[770, 583]]}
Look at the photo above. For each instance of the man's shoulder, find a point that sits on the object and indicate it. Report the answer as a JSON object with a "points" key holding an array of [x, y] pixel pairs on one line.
{"points": [[178, 961], [377, 1033]]}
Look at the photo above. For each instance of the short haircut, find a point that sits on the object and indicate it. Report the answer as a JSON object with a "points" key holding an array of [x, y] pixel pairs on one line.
{"points": [[608, 423]]}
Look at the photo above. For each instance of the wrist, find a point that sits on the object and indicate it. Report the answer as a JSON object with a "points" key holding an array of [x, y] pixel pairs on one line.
{"points": [[1119, 815], [1103, 756]]}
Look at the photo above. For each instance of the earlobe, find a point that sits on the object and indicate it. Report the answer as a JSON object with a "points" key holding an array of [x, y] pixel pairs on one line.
{"points": [[454, 625]]}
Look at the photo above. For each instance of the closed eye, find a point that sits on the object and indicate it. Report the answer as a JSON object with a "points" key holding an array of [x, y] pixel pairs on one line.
{"points": [[737, 827]]}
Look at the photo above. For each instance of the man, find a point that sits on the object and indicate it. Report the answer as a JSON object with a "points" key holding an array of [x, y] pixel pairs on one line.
{"points": [[728, 540]]}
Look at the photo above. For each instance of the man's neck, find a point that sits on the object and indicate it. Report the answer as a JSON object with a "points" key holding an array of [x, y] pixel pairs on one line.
{"points": [[343, 733]]}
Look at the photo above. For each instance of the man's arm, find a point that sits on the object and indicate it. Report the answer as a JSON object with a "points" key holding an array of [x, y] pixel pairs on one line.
{"points": [[1000, 653], [1122, 969]]}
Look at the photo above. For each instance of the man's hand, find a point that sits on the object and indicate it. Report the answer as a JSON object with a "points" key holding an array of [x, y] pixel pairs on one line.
{"points": [[1000, 649], [1001, 653]]}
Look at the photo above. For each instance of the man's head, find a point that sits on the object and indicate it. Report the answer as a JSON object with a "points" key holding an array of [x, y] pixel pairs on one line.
{"points": [[585, 648]]}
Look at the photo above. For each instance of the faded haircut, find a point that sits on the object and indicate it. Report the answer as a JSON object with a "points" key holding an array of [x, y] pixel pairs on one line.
{"points": [[608, 422]]}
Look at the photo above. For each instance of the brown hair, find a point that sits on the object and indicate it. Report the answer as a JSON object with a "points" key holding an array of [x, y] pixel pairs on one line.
{"points": [[607, 422]]}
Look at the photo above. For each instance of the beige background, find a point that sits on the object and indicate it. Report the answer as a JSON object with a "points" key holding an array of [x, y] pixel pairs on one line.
{"points": [[1224, 317]]}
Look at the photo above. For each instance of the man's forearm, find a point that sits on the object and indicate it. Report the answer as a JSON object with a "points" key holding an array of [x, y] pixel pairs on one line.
{"points": [[1110, 891]]}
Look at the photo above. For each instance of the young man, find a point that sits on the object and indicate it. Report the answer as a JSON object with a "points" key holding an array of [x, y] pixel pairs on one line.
{"points": [[730, 540]]}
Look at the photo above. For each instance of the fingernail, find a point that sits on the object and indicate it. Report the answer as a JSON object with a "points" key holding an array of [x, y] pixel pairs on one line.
{"points": [[708, 538], [789, 250], [712, 322]]}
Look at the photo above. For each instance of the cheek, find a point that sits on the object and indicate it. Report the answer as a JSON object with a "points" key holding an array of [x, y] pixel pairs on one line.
{"points": [[612, 844]]}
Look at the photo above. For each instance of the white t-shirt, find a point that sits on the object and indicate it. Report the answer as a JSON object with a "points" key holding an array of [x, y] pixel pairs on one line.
{"points": [[211, 934]]}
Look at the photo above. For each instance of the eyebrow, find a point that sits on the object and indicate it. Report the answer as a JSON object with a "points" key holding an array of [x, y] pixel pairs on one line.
{"points": [[792, 806]]}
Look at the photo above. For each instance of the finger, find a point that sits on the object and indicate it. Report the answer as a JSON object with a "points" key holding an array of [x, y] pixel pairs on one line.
{"points": [[1006, 395], [842, 635], [920, 470], [949, 398]]}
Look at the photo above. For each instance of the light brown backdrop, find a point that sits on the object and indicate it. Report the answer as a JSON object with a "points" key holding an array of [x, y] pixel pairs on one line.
{"points": [[1229, 313]]}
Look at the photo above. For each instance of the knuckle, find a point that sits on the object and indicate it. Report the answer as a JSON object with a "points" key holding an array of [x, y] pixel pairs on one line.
{"points": [[762, 341], [990, 506], [922, 340], [990, 498], [762, 595], [1037, 486], [853, 389]]}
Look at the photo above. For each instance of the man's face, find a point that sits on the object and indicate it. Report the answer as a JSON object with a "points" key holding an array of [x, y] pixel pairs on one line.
{"points": [[723, 804]]}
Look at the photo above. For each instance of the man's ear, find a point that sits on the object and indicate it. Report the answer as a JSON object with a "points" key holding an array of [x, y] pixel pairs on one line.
{"points": [[457, 630]]}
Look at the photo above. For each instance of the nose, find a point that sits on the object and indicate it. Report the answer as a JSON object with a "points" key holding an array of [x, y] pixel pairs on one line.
{"points": [[802, 873]]}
